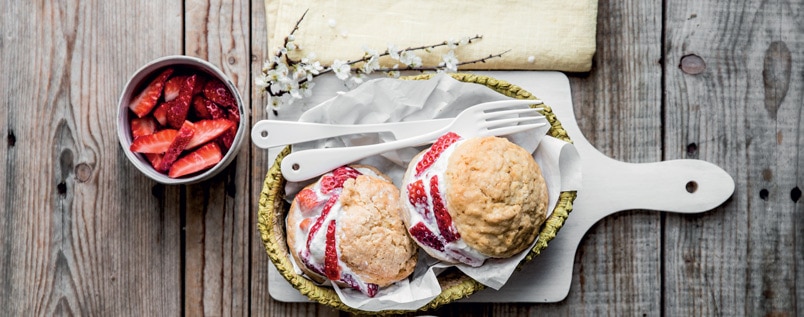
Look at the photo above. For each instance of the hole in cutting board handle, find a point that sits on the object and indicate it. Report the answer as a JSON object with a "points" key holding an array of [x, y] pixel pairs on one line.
{"points": [[692, 187]]}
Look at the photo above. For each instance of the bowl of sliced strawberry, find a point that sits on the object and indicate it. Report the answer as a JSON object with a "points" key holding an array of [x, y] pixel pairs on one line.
{"points": [[179, 120]]}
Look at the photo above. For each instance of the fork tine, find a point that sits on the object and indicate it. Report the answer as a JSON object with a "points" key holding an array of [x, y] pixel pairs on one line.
{"points": [[512, 121], [503, 113], [513, 129], [506, 104]]}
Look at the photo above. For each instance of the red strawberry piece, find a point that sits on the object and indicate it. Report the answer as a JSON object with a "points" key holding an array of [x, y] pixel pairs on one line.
{"points": [[443, 219], [173, 86], [227, 139], [200, 108], [308, 200], [421, 233], [146, 100], [417, 196], [305, 257], [179, 107], [200, 159], [233, 114], [370, 289], [207, 130], [142, 126], [158, 142], [160, 113], [331, 268], [200, 83], [177, 146], [435, 151], [320, 220], [216, 91], [305, 223], [337, 178], [154, 158]]}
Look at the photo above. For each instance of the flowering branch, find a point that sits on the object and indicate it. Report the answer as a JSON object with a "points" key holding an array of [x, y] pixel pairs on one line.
{"points": [[286, 80]]}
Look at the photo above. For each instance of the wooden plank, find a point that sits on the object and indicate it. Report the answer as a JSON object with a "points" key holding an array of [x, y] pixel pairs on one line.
{"points": [[734, 98], [261, 302], [618, 108], [71, 245], [218, 228]]}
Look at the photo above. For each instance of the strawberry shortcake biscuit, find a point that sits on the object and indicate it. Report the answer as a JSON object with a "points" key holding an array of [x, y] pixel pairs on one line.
{"points": [[347, 228], [468, 200]]}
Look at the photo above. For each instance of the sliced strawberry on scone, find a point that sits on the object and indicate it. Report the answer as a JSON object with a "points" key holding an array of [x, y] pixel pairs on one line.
{"points": [[179, 107], [142, 126], [441, 144], [207, 130], [200, 159], [158, 142], [331, 268], [177, 146], [146, 99], [216, 91]]}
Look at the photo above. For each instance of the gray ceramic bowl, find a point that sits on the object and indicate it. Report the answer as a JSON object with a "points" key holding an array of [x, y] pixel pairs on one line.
{"points": [[138, 81]]}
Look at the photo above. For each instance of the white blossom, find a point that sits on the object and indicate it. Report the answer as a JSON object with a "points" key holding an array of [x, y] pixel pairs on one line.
{"points": [[410, 59], [450, 61], [341, 69]]}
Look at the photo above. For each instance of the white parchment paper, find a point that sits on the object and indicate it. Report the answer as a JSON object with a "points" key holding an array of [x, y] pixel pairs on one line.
{"points": [[393, 100]]}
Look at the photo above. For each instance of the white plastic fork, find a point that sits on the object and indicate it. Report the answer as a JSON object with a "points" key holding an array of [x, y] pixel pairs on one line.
{"points": [[490, 118]]}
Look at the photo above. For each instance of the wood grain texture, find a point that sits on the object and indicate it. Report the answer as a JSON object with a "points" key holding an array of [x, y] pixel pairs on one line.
{"points": [[70, 245], [217, 211], [744, 113]]}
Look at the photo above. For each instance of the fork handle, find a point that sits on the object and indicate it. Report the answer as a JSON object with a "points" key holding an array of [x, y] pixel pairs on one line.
{"points": [[304, 165]]}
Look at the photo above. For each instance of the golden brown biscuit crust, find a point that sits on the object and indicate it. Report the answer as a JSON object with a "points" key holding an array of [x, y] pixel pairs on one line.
{"points": [[497, 202], [373, 240]]}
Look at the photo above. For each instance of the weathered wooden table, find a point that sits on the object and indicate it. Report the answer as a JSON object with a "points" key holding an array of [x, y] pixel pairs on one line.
{"points": [[83, 233]]}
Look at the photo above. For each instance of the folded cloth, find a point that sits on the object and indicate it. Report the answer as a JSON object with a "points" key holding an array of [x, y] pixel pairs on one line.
{"points": [[534, 34]]}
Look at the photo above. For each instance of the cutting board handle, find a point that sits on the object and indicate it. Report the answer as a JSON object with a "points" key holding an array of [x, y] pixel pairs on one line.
{"points": [[684, 186]]}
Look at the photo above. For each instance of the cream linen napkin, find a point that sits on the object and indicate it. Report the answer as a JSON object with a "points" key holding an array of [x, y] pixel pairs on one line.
{"points": [[557, 34]]}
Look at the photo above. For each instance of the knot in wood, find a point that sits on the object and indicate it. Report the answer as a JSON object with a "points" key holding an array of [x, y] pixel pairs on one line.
{"points": [[692, 64]]}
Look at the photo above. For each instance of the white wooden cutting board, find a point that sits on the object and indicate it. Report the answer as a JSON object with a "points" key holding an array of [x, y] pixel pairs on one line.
{"points": [[609, 186]]}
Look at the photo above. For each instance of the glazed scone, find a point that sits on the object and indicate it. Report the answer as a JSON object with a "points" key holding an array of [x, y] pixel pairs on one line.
{"points": [[347, 228], [467, 200]]}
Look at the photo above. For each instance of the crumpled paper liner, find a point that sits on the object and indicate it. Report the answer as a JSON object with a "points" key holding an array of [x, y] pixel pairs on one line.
{"points": [[453, 283]]}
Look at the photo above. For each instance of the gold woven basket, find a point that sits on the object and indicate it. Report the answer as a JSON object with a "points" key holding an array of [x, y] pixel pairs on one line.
{"points": [[454, 284]]}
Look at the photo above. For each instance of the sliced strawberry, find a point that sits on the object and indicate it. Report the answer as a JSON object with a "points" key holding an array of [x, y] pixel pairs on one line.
{"points": [[308, 200], [331, 268], [173, 86], [227, 138], [142, 126], [305, 257], [146, 100], [216, 91], [215, 111], [435, 151], [200, 159], [370, 289], [337, 178], [206, 130], [177, 146], [417, 196], [443, 219], [233, 114], [320, 220], [154, 158], [158, 142], [421, 233], [160, 113], [305, 224], [179, 107], [200, 83], [200, 107]]}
